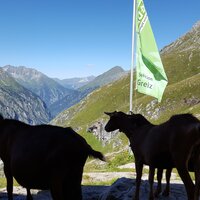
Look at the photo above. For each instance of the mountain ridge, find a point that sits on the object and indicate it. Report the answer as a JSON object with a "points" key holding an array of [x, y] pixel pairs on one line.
{"points": [[17, 102], [192, 35], [105, 78], [48, 89], [75, 83], [69, 100], [56, 97]]}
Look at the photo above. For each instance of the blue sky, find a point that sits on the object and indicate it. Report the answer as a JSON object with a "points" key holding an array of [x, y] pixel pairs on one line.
{"points": [[77, 38]]}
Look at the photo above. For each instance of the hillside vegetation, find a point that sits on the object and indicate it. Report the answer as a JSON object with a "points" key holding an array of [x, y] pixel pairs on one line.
{"points": [[182, 95]]}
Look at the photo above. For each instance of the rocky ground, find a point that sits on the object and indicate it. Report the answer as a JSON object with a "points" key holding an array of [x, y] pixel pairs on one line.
{"points": [[122, 189], [96, 177]]}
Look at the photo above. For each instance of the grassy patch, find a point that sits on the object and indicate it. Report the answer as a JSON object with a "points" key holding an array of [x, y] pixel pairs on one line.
{"points": [[87, 181], [120, 159], [3, 182]]}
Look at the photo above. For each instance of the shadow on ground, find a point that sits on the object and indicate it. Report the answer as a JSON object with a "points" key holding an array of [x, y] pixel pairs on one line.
{"points": [[122, 189]]}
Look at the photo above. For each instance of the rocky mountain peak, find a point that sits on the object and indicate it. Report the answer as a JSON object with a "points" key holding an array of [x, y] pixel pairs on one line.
{"points": [[23, 73], [196, 26], [46, 88], [188, 42], [3, 74], [17, 102]]}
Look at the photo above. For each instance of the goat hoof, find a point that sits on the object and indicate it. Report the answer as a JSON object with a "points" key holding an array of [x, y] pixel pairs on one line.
{"points": [[151, 198], [156, 193], [165, 193]]}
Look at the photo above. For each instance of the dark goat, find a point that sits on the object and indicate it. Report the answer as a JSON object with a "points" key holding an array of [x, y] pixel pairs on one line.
{"points": [[160, 146], [44, 157]]}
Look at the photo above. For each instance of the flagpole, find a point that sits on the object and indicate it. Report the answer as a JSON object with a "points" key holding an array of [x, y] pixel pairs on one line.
{"points": [[132, 57]]}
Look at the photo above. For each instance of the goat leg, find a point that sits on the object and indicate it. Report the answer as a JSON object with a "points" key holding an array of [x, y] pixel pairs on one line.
{"points": [[167, 188], [189, 185], [159, 185], [139, 167], [9, 180], [29, 196], [151, 180], [197, 180]]}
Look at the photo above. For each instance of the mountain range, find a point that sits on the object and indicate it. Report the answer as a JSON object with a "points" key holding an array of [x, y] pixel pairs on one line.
{"points": [[47, 88], [52, 94], [111, 75]]}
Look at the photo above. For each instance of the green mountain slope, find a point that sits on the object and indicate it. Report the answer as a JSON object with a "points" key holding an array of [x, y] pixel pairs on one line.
{"points": [[181, 58], [182, 65], [183, 96], [110, 97], [75, 96], [107, 77]]}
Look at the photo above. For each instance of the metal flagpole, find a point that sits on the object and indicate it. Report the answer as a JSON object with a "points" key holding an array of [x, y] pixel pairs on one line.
{"points": [[132, 57]]}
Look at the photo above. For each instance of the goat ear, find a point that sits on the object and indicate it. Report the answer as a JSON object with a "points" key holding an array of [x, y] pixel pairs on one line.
{"points": [[110, 113]]}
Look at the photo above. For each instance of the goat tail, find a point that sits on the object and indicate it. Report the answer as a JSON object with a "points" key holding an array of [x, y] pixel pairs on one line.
{"points": [[96, 154]]}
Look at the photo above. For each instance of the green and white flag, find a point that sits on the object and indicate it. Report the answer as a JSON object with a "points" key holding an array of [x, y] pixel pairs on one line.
{"points": [[151, 78]]}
